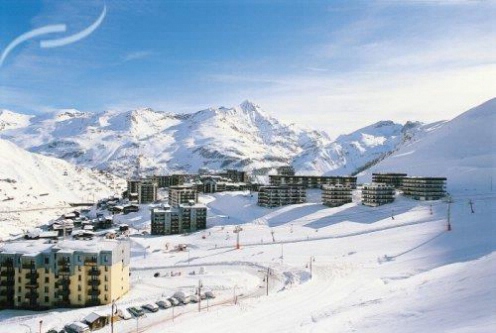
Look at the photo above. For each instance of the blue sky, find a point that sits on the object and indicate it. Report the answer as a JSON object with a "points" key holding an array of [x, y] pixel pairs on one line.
{"points": [[331, 65]]}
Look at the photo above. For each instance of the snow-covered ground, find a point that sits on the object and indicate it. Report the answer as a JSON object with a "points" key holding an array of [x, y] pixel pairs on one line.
{"points": [[370, 272], [36, 188]]}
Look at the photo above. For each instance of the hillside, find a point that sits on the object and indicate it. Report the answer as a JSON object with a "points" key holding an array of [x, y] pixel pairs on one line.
{"points": [[463, 149], [242, 137], [29, 181]]}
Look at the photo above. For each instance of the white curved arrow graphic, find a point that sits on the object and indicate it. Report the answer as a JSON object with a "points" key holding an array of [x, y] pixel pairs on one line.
{"points": [[53, 42]]}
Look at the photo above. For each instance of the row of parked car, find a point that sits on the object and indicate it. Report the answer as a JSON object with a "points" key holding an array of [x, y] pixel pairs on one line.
{"points": [[96, 320], [178, 299]]}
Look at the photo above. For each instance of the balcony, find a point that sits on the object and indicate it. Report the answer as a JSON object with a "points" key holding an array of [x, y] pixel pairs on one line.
{"points": [[64, 271], [63, 283], [94, 292], [32, 294], [64, 293], [94, 282], [32, 275], [94, 272], [32, 284], [93, 302], [63, 262], [90, 262]]}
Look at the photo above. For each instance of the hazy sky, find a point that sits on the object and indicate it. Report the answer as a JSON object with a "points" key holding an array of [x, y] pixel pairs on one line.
{"points": [[331, 65]]}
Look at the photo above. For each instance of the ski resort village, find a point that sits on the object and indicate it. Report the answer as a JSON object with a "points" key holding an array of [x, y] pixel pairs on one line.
{"points": [[241, 166], [295, 243]]}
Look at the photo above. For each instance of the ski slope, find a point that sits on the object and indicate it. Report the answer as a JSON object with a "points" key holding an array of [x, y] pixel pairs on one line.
{"points": [[371, 273]]}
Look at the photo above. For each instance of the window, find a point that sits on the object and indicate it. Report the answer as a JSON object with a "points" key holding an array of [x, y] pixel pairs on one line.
{"points": [[79, 268], [46, 270], [79, 297], [79, 287], [105, 258], [106, 288], [19, 289], [106, 297], [79, 277], [19, 279], [46, 289], [46, 279], [106, 278], [106, 268], [18, 298], [46, 261], [46, 299]]}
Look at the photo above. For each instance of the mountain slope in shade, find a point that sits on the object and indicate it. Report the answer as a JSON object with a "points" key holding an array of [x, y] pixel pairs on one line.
{"points": [[29, 181], [351, 153], [463, 149], [242, 137]]}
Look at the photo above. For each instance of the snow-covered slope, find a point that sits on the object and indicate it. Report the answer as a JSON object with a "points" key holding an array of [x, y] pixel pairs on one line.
{"points": [[30, 181], [243, 137], [463, 149], [352, 153], [12, 120]]}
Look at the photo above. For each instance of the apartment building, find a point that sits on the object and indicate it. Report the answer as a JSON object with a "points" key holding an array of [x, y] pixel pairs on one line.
{"points": [[286, 170], [39, 275], [390, 178], [336, 195], [313, 181], [132, 187], [237, 176], [169, 180], [147, 191], [184, 218], [424, 188], [275, 196], [182, 195], [377, 194]]}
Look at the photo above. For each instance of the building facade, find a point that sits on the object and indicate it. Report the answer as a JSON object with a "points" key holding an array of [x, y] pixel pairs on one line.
{"points": [[424, 188], [36, 275], [336, 195], [147, 191], [377, 194], [177, 220], [275, 196], [395, 179], [182, 195], [286, 170], [169, 180], [313, 181]]}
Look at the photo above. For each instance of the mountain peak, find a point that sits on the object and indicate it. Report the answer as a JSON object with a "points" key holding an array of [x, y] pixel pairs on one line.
{"points": [[249, 106]]}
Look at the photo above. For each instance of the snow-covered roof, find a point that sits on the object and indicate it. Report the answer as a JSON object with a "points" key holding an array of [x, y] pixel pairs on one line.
{"points": [[92, 317]]}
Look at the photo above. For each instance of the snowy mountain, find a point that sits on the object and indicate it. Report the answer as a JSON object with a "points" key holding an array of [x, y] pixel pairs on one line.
{"points": [[243, 137], [463, 149], [353, 152], [29, 181], [12, 120]]}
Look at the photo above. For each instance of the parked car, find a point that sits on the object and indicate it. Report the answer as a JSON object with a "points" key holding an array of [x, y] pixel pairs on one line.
{"points": [[124, 314], [77, 327], [174, 301], [152, 307], [181, 297], [194, 298], [164, 304], [135, 311], [209, 294]]}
